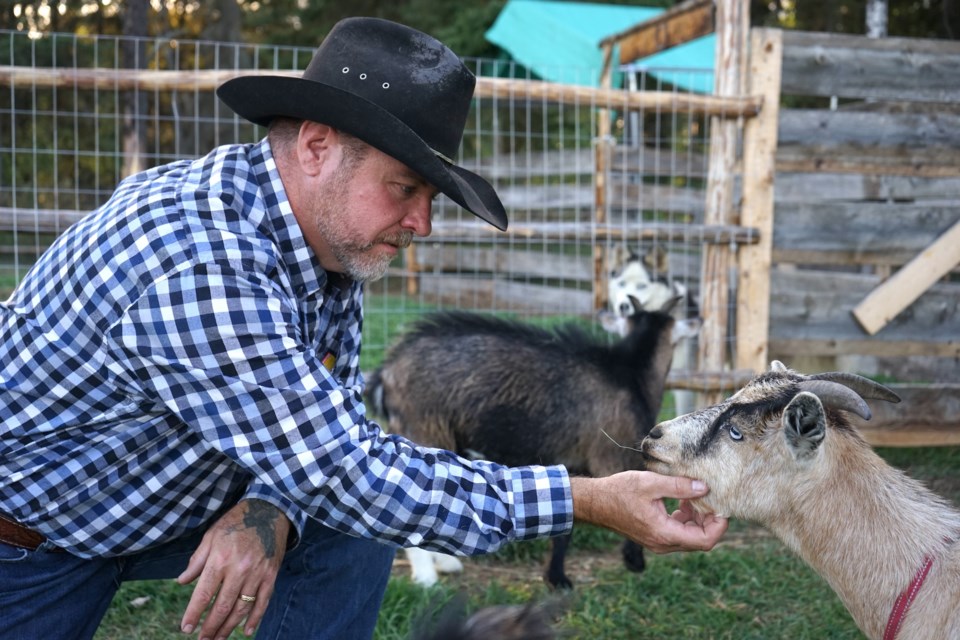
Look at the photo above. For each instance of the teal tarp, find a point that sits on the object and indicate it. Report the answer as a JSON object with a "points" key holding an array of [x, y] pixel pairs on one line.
{"points": [[560, 41]]}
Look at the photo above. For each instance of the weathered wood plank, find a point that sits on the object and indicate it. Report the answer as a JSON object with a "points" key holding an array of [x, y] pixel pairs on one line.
{"points": [[710, 381], [908, 434], [570, 163], [683, 23], [656, 197], [810, 314], [926, 128], [619, 197], [516, 262], [500, 88], [38, 220], [435, 257], [927, 416], [923, 143], [846, 66], [662, 232], [560, 163], [858, 232], [819, 187], [601, 98], [647, 161], [899, 291], [506, 295], [938, 162]]}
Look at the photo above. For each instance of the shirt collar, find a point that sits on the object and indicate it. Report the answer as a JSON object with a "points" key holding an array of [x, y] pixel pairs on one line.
{"points": [[306, 274]]}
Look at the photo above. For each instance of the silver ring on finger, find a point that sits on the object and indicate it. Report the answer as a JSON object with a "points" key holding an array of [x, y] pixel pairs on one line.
{"points": [[246, 598]]}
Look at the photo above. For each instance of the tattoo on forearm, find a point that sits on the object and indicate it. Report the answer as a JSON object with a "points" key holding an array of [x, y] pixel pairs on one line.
{"points": [[262, 516]]}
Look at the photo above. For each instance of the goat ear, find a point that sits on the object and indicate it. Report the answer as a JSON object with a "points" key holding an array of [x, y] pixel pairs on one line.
{"points": [[804, 424]]}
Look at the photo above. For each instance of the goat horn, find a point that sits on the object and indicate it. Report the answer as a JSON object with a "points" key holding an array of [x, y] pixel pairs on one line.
{"points": [[864, 387], [836, 395]]}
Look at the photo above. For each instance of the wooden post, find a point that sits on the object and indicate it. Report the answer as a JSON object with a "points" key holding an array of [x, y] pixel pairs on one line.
{"points": [[413, 270], [759, 169], [601, 167], [732, 22]]}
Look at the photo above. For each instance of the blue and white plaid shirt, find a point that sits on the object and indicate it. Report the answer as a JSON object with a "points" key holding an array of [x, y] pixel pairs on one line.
{"points": [[165, 358]]}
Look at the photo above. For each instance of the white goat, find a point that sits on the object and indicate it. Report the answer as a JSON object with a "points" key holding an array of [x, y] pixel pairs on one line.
{"points": [[781, 453]]}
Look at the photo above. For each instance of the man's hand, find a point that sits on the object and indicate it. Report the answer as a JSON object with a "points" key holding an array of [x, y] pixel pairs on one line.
{"points": [[239, 555], [631, 503]]}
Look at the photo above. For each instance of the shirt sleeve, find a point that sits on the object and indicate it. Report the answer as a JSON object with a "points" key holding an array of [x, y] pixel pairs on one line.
{"points": [[224, 350]]}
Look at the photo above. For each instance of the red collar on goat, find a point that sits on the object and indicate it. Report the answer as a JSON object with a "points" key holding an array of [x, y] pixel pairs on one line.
{"points": [[905, 599]]}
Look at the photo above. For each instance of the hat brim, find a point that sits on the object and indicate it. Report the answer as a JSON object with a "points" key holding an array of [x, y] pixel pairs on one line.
{"points": [[260, 99]]}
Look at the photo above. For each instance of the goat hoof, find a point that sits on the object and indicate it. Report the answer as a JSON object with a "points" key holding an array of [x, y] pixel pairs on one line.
{"points": [[558, 583], [633, 557]]}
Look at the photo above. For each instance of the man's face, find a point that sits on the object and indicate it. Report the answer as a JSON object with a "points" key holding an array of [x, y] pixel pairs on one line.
{"points": [[368, 208]]}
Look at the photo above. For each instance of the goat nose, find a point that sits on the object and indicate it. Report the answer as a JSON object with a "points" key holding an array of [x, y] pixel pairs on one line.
{"points": [[656, 433]]}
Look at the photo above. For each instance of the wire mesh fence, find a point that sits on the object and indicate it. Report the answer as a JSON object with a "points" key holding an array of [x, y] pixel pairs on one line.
{"points": [[78, 114]]}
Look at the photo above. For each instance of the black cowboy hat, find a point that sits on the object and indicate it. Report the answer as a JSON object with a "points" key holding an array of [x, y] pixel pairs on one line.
{"points": [[393, 87]]}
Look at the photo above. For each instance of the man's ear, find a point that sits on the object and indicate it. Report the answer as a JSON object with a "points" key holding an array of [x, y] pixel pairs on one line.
{"points": [[314, 145]]}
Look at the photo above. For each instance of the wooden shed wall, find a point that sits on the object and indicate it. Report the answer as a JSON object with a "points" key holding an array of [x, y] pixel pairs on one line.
{"points": [[868, 177]]}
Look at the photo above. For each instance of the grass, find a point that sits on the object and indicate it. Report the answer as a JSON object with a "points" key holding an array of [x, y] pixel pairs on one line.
{"points": [[749, 588]]}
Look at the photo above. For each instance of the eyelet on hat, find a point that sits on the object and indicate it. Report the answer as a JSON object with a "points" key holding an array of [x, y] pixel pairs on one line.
{"points": [[386, 85], [363, 76], [346, 70]]}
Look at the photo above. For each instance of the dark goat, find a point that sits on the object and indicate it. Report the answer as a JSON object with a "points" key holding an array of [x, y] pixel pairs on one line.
{"points": [[533, 621], [515, 394]]}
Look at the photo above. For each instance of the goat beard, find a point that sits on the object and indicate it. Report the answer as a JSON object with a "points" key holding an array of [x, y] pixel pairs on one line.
{"points": [[703, 507]]}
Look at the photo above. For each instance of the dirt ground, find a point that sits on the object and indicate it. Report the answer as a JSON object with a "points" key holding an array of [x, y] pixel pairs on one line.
{"points": [[582, 566]]}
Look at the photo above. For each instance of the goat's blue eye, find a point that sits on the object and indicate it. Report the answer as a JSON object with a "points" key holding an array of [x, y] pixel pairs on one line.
{"points": [[735, 434]]}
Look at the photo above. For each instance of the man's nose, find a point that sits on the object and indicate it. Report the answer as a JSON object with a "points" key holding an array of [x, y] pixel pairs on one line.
{"points": [[418, 217]]}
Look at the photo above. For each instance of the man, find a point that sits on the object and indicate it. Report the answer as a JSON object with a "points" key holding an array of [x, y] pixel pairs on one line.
{"points": [[179, 378]]}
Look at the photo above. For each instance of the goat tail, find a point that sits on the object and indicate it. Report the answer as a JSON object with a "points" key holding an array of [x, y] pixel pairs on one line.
{"points": [[532, 621]]}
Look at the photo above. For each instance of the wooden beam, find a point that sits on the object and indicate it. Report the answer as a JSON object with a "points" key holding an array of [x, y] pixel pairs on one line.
{"points": [[926, 416], [784, 348], [713, 381], [908, 434], [687, 103], [916, 140], [21, 219], [572, 231], [683, 23], [847, 66], [864, 232], [123, 79], [907, 284], [926, 162]]}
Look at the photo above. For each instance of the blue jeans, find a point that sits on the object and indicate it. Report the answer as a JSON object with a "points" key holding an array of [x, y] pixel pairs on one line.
{"points": [[330, 586]]}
